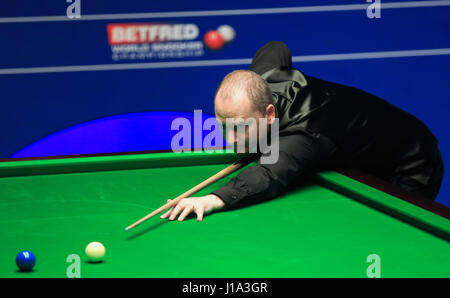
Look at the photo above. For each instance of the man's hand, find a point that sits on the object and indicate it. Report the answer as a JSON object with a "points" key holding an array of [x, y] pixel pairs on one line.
{"points": [[199, 205]]}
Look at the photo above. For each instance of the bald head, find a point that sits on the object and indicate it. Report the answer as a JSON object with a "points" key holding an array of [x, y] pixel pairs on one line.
{"points": [[242, 92]]}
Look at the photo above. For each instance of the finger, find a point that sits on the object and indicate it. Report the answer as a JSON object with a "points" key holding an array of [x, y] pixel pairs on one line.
{"points": [[166, 215], [199, 212], [175, 211], [185, 213]]}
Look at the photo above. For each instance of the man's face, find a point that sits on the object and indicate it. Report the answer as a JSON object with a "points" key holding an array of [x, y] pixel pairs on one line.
{"points": [[239, 121]]}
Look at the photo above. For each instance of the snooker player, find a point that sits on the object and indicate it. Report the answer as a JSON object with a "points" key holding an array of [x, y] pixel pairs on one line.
{"points": [[321, 125]]}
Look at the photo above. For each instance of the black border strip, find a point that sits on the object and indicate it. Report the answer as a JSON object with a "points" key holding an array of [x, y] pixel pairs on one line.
{"points": [[104, 154]]}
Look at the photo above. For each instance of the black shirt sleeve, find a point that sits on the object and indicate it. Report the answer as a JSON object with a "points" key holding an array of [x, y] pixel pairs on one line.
{"points": [[273, 54], [298, 154]]}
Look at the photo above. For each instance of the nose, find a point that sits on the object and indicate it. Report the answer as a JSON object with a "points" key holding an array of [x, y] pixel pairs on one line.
{"points": [[232, 138]]}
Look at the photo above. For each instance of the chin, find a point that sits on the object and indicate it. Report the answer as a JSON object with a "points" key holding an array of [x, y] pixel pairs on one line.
{"points": [[246, 150]]}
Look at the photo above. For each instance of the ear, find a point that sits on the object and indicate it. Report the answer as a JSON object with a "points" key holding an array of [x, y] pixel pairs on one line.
{"points": [[270, 113]]}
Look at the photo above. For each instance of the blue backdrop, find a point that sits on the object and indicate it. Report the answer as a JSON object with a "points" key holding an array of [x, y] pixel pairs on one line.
{"points": [[59, 75]]}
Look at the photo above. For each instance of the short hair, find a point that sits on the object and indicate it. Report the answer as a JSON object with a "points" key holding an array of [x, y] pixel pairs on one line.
{"points": [[256, 88]]}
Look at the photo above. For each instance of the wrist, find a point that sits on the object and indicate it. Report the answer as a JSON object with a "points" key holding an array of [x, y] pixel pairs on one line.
{"points": [[218, 203]]}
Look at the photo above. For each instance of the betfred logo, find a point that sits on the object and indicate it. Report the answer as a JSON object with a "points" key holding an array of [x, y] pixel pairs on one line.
{"points": [[120, 34], [144, 41]]}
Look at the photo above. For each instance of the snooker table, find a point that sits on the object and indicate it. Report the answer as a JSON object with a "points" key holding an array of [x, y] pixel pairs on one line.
{"points": [[327, 227]]}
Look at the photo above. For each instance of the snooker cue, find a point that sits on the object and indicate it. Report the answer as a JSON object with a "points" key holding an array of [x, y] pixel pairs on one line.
{"points": [[219, 175]]}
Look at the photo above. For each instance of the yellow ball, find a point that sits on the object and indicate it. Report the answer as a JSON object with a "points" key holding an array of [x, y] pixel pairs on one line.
{"points": [[95, 251]]}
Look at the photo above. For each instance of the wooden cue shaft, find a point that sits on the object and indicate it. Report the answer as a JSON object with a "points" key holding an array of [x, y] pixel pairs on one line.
{"points": [[223, 173]]}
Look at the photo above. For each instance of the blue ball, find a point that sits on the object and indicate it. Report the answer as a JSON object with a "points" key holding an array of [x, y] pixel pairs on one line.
{"points": [[25, 260]]}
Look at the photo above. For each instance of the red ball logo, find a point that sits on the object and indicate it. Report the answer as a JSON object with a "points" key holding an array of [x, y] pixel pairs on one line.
{"points": [[213, 40]]}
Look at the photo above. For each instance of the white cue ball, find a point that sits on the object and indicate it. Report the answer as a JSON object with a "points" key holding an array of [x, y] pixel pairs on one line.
{"points": [[95, 251], [227, 33]]}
